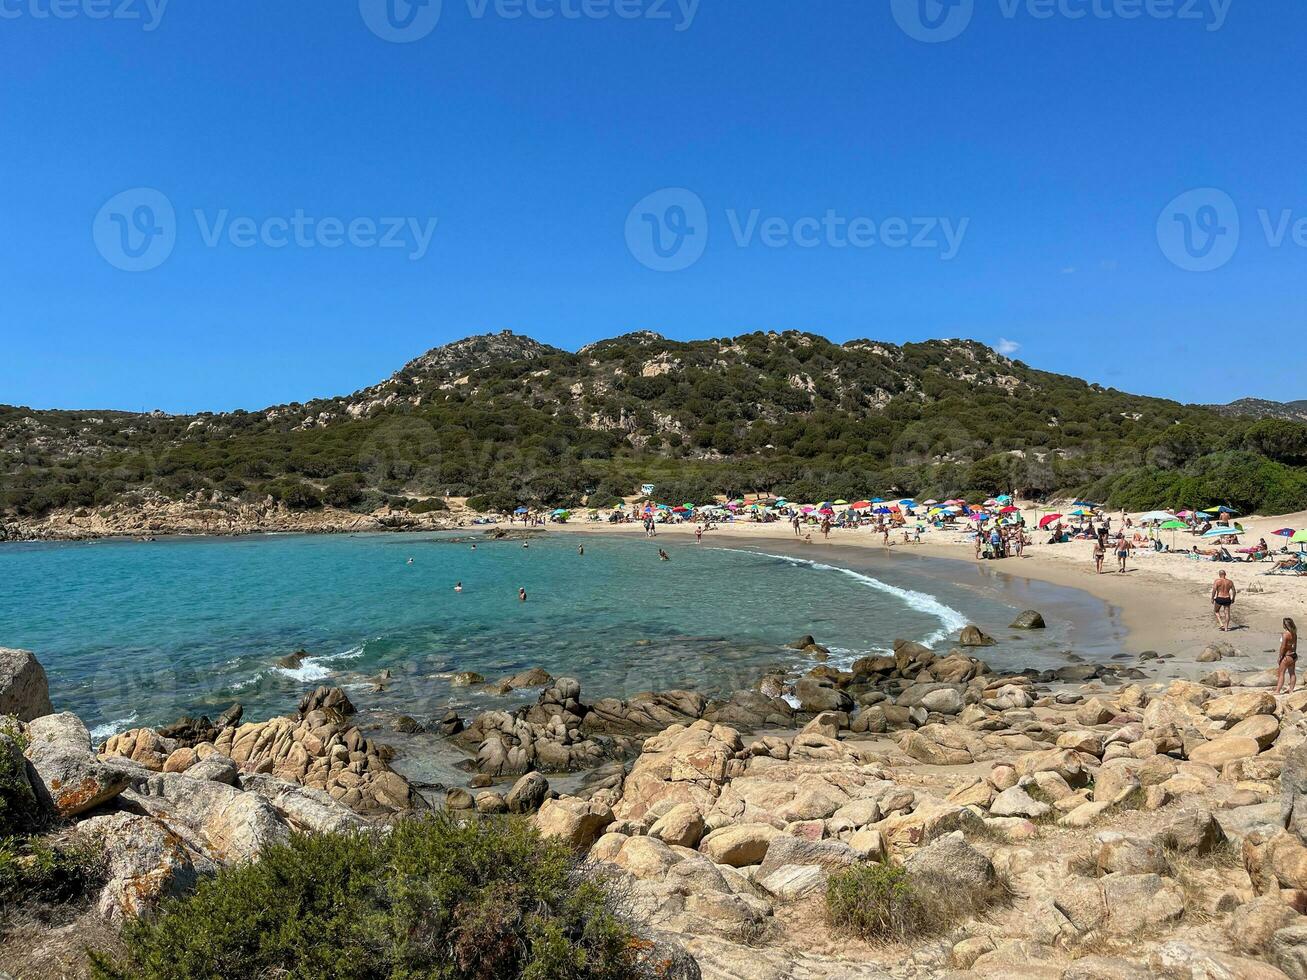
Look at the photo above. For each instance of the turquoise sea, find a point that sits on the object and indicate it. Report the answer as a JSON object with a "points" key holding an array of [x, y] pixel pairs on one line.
{"points": [[136, 633]]}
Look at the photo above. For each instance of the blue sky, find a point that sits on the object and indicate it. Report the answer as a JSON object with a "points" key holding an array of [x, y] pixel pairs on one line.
{"points": [[1015, 177]]}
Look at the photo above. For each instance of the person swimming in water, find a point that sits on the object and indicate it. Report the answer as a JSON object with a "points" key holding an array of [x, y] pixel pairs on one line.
{"points": [[410, 561], [580, 549], [663, 556], [474, 547], [458, 586], [521, 594]]}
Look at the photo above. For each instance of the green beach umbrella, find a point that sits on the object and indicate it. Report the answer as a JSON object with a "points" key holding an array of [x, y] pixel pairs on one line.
{"points": [[1299, 537], [1174, 526]]}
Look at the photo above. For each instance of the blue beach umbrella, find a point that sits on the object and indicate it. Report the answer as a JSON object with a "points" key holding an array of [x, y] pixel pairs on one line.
{"points": [[520, 510]]}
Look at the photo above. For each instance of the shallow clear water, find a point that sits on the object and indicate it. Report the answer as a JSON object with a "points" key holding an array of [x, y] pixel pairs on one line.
{"points": [[139, 632]]}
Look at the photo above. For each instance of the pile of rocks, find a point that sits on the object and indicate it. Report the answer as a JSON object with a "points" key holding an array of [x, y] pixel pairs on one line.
{"points": [[159, 831], [1114, 815], [318, 748]]}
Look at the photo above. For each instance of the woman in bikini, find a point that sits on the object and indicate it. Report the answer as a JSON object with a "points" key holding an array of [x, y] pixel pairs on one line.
{"points": [[1100, 551], [1288, 657]]}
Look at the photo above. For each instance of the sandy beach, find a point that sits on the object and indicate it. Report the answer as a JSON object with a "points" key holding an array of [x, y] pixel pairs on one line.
{"points": [[1163, 598]]}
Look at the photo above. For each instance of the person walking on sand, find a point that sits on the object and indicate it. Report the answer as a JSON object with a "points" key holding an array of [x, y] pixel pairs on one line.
{"points": [[1122, 552], [1288, 664], [1223, 595]]}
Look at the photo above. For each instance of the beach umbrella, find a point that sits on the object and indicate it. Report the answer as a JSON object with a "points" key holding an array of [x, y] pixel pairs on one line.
{"points": [[991, 502], [1155, 515], [1220, 510], [1004, 498], [877, 500], [1172, 525], [1049, 519], [1085, 503], [1220, 532], [520, 510], [1009, 510], [929, 503], [1284, 532], [1299, 537], [841, 502], [861, 504]]}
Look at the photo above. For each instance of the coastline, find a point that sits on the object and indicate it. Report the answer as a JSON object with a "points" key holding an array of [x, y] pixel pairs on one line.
{"points": [[1162, 604]]}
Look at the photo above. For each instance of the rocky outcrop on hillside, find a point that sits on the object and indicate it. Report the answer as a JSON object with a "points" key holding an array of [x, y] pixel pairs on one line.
{"points": [[149, 514]]}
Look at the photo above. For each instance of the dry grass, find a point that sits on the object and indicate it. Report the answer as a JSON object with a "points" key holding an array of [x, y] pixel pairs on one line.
{"points": [[884, 904], [1198, 874]]}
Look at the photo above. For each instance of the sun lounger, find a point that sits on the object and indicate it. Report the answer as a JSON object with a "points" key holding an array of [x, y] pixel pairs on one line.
{"points": [[1289, 566]]}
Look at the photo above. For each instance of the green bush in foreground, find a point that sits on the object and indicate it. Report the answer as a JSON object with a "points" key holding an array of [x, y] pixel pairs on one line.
{"points": [[38, 871], [432, 899]]}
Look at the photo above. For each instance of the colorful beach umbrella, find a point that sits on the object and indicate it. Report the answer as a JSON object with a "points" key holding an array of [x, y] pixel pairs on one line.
{"points": [[1049, 519], [1284, 532], [1220, 510], [1009, 510], [1299, 537], [1174, 525], [1220, 532]]}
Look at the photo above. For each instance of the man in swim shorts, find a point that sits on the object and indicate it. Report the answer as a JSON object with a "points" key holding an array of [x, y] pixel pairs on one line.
{"points": [[1223, 593]]}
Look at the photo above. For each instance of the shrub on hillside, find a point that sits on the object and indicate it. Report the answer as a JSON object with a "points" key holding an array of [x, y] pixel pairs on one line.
{"points": [[433, 898]]}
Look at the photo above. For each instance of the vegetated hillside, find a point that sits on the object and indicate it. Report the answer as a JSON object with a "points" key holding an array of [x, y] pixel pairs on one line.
{"points": [[1263, 409], [505, 420]]}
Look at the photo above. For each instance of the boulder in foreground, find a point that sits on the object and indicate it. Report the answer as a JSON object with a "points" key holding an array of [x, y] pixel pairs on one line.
{"points": [[24, 691]]}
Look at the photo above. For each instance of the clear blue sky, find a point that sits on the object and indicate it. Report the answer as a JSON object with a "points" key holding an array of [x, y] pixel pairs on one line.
{"points": [[1058, 140]]}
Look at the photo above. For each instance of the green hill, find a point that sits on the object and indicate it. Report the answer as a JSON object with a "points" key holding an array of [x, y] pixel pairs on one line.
{"points": [[505, 419]]}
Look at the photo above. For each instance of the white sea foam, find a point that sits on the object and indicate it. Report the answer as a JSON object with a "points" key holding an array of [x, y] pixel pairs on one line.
{"points": [[111, 728], [950, 619], [310, 669], [318, 668]]}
